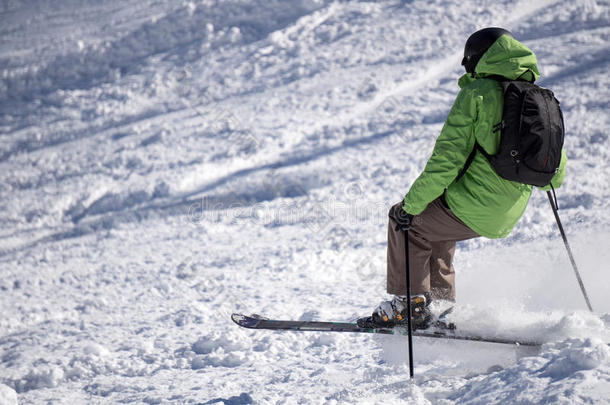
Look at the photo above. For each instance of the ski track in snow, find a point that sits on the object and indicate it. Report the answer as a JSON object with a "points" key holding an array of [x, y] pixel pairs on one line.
{"points": [[164, 164]]}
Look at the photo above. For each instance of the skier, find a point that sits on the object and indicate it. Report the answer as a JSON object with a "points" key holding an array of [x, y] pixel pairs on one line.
{"points": [[459, 196]]}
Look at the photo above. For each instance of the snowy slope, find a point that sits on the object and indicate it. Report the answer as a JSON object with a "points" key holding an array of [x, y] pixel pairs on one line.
{"points": [[164, 164]]}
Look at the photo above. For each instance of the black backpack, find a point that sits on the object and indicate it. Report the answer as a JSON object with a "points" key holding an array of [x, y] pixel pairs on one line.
{"points": [[532, 135]]}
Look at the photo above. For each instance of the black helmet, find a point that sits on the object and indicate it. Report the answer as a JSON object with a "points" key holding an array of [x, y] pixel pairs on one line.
{"points": [[478, 43]]}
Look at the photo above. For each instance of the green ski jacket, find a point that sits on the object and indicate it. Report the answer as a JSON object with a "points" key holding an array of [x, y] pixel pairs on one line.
{"points": [[487, 203]]}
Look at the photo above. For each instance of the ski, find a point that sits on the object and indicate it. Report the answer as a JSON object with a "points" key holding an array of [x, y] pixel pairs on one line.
{"points": [[257, 322]]}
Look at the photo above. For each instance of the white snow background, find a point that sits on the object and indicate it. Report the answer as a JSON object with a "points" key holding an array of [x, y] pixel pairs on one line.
{"points": [[166, 163]]}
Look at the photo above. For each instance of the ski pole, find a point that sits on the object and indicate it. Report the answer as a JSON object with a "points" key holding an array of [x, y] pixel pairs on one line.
{"points": [[565, 241], [409, 325]]}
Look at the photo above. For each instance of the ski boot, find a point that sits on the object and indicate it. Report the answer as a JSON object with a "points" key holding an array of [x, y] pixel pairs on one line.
{"points": [[394, 313]]}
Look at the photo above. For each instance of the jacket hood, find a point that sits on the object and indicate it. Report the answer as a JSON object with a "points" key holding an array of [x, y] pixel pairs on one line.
{"points": [[506, 57]]}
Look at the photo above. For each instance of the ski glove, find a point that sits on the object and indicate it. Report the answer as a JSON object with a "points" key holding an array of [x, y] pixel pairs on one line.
{"points": [[403, 219]]}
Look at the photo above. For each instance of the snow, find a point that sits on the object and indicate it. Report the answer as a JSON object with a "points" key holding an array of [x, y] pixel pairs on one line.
{"points": [[8, 396], [164, 164], [564, 374]]}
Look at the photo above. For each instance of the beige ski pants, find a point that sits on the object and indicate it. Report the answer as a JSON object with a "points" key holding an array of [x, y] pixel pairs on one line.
{"points": [[432, 240]]}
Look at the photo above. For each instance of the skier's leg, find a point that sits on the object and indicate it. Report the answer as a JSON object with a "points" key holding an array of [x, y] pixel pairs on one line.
{"points": [[443, 229], [419, 251], [435, 226], [442, 274], [432, 240]]}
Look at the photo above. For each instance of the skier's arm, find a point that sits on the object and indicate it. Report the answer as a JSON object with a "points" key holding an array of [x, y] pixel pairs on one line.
{"points": [[558, 178], [452, 148]]}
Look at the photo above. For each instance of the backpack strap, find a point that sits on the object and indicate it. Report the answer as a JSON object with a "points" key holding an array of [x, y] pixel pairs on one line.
{"points": [[462, 171], [468, 162], [498, 78], [518, 79], [526, 80], [476, 148]]}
